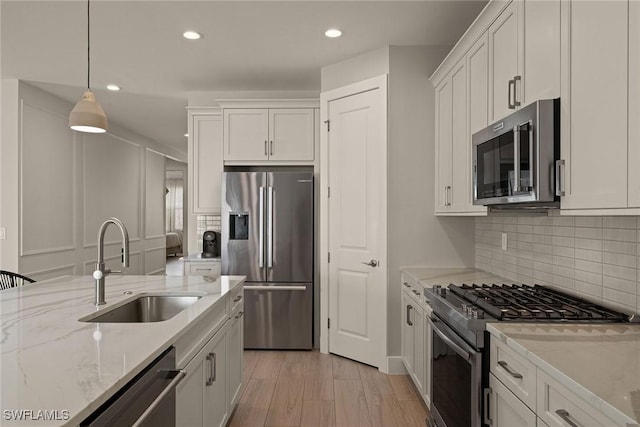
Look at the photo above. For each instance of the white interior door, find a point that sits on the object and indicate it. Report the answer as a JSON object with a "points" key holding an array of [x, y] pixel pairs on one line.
{"points": [[357, 145]]}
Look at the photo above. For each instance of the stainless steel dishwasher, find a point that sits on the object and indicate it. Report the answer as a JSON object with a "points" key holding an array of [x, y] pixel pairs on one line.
{"points": [[147, 400]]}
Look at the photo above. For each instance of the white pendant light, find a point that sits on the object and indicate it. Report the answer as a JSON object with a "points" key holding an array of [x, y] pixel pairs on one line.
{"points": [[88, 115]]}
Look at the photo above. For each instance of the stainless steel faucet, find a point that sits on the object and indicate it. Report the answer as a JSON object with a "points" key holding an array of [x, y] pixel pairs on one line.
{"points": [[101, 272]]}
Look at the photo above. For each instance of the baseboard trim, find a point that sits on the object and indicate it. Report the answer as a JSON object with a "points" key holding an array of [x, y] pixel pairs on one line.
{"points": [[395, 365]]}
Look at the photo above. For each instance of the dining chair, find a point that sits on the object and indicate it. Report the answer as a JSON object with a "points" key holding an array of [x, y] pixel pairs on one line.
{"points": [[9, 279]]}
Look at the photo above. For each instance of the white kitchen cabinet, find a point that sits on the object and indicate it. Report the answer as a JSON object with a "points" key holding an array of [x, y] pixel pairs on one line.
{"points": [[478, 98], [426, 390], [408, 306], [505, 409], [505, 63], [205, 160], [202, 268], [453, 146], [235, 340], [594, 106], [418, 349], [201, 398], [269, 134], [514, 371]]}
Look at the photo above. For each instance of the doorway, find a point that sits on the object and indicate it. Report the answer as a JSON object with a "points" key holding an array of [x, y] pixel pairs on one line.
{"points": [[175, 217]]}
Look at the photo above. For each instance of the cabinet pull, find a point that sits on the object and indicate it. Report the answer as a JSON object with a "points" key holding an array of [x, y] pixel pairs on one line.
{"points": [[510, 371], [211, 358], [510, 105], [559, 177], [179, 376], [239, 315], [271, 148], [265, 148], [415, 292], [406, 284], [409, 308], [564, 414], [450, 198], [516, 79], [238, 298], [487, 399]]}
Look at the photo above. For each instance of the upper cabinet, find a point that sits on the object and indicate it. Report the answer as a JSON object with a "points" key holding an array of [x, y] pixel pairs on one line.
{"points": [[509, 58], [205, 160], [505, 62], [269, 134], [595, 94]]}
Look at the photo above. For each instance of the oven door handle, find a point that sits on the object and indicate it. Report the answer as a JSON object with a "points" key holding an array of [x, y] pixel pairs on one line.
{"points": [[466, 353]]}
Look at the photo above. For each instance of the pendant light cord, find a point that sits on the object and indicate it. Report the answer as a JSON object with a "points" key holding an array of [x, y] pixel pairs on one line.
{"points": [[88, 47]]}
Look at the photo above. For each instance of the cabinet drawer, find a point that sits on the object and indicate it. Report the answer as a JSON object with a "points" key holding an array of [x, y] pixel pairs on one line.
{"points": [[413, 289], [236, 297], [202, 268], [515, 372], [559, 406], [506, 409]]}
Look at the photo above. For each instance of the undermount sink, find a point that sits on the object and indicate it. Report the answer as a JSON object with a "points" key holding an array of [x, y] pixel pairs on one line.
{"points": [[144, 309]]}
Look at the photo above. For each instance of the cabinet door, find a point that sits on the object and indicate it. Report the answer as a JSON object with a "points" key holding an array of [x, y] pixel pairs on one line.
{"points": [[504, 48], [418, 349], [189, 394], [246, 134], [234, 351], [541, 75], [506, 410], [443, 146], [215, 380], [478, 71], [407, 331], [594, 104], [205, 160], [426, 389], [460, 192], [291, 134], [634, 104]]}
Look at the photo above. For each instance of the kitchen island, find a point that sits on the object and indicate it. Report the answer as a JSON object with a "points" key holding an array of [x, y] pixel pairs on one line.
{"points": [[50, 361]]}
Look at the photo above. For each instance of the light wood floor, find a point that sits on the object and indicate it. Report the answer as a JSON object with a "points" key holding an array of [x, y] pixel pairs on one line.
{"points": [[303, 388]]}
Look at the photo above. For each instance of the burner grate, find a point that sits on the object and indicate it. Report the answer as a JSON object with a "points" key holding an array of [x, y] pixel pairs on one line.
{"points": [[535, 303]]}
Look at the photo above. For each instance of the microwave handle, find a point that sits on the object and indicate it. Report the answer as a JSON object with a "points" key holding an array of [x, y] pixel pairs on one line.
{"points": [[516, 159], [560, 178], [532, 160]]}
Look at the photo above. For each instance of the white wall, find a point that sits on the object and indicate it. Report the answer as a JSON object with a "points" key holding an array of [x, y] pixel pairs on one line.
{"points": [[59, 186], [415, 235]]}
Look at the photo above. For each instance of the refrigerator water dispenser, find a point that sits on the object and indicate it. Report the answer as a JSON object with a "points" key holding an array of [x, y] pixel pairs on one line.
{"points": [[239, 226]]}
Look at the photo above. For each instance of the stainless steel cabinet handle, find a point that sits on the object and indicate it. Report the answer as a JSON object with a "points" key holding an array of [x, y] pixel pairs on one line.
{"points": [[238, 298], [564, 414], [239, 315], [448, 195], [516, 103], [179, 376], [504, 365], [409, 308], [406, 284], [487, 400], [211, 358], [265, 148], [415, 292], [261, 228], [510, 105], [372, 263], [270, 227], [271, 148], [559, 177]]}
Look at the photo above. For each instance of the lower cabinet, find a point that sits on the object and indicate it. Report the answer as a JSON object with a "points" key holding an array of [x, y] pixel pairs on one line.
{"points": [[235, 341], [426, 391], [506, 410], [202, 396]]}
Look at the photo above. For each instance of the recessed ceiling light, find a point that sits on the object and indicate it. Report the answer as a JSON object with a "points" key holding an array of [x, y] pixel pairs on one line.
{"points": [[333, 33], [187, 135], [113, 87], [191, 35]]}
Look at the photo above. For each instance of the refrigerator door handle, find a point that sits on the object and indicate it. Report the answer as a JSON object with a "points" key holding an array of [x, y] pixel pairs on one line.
{"points": [[269, 227], [274, 288], [261, 230]]}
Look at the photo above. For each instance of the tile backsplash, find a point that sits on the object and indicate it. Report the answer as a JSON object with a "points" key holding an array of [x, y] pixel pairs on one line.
{"points": [[596, 257]]}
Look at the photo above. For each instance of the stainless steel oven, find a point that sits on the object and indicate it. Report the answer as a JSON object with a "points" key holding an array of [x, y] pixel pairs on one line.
{"points": [[515, 159], [456, 397]]}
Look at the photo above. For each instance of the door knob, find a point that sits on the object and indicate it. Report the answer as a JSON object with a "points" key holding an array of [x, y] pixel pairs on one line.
{"points": [[372, 263]]}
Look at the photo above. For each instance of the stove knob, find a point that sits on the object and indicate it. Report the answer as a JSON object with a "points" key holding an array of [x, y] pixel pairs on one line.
{"points": [[470, 311], [464, 308], [477, 314]]}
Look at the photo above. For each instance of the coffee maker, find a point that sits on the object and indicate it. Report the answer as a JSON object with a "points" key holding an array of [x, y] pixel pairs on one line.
{"points": [[210, 244]]}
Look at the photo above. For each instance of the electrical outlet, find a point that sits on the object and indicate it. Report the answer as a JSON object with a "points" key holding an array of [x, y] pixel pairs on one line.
{"points": [[3, 233], [504, 241]]}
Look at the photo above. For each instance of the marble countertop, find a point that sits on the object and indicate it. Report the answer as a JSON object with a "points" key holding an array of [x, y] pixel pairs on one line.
{"points": [[51, 361], [600, 363], [430, 276]]}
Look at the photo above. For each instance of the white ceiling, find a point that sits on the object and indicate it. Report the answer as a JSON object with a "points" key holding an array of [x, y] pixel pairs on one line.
{"points": [[246, 46]]}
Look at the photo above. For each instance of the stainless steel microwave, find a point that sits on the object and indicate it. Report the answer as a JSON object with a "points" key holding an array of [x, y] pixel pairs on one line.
{"points": [[514, 159]]}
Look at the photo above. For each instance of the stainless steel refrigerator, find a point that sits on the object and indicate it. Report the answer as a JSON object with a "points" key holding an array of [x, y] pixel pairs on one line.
{"points": [[267, 235]]}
